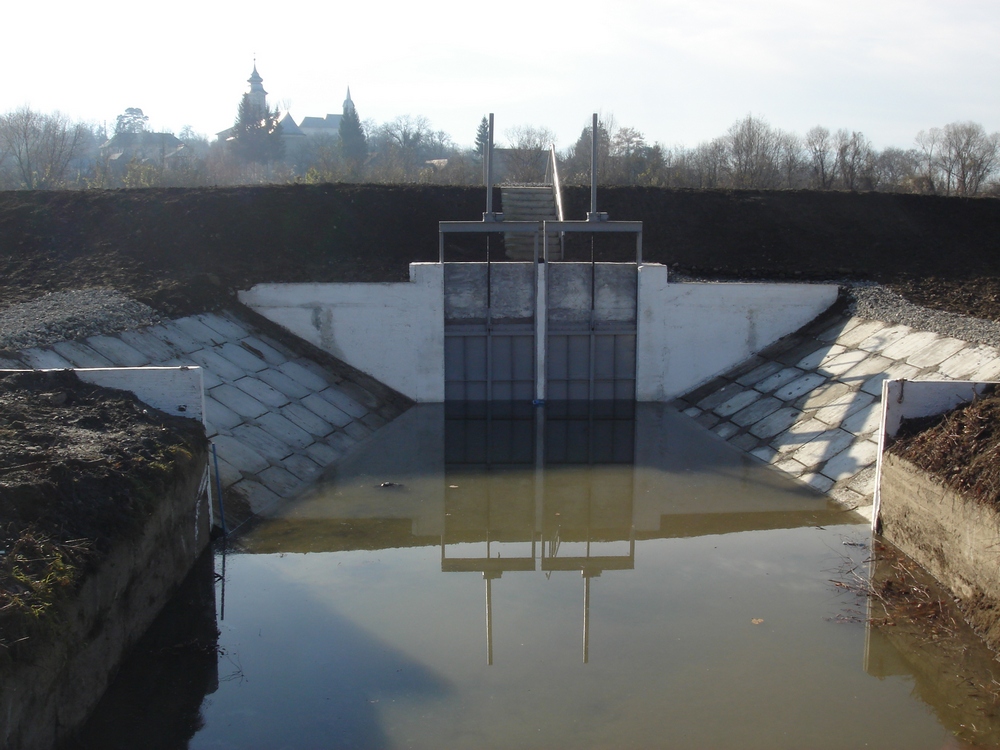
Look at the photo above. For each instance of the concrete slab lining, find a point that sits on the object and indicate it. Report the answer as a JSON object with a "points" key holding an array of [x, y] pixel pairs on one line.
{"points": [[253, 393], [826, 432]]}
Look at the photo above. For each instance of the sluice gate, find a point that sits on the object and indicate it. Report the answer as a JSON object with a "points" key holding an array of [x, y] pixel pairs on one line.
{"points": [[523, 332], [536, 328]]}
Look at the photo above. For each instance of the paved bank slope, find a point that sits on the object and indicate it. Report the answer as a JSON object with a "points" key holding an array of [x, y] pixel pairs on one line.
{"points": [[810, 404], [276, 417]]}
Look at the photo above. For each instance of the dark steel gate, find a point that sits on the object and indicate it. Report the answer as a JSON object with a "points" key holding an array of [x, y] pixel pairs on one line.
{"points": [[591, 332], [490, 332]]}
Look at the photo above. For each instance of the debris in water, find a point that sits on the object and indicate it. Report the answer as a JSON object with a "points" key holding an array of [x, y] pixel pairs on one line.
{"points": [[757, 620], [386, 485]]}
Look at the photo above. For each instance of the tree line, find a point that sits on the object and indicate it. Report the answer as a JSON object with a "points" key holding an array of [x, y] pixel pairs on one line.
{"points": [[41, 151]]}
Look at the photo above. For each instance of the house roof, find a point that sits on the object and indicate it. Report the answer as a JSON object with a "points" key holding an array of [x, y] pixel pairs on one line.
{"points": [[144, 140], [330, 122], [288, 126]]}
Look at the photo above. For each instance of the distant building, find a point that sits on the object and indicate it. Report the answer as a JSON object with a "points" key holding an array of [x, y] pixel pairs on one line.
{"points": [[294, 134], [158, 148]]}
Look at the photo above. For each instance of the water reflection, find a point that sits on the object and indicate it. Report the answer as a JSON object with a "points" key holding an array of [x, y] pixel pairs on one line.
{"points": [[158, 692], [691, 581], [952, 669]]}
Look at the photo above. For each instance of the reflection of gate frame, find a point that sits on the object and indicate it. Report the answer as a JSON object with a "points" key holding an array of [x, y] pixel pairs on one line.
{"points": [[589, 565], [541, 231]]}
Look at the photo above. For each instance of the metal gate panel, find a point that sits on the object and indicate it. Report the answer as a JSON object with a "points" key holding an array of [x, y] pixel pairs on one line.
{"points": [[465, 368], [507, 358]]}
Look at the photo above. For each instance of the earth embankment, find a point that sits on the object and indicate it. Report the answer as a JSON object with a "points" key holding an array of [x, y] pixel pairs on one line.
{"points": [[188, 250]]}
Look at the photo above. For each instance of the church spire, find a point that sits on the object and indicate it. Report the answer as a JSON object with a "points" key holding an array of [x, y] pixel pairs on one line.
{"points": [[348, 104], [258, 97]]}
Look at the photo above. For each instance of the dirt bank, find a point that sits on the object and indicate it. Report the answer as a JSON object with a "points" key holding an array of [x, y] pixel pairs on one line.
{"points": [[188, 250], [81, 468]]}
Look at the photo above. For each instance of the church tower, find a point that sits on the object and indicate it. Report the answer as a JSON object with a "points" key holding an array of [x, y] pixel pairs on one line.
{"points": [[258, 97], [348, 104]]}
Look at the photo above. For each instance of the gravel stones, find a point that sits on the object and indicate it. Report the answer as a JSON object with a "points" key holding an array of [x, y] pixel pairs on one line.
{"points": [[62, 316], [878, 303]]}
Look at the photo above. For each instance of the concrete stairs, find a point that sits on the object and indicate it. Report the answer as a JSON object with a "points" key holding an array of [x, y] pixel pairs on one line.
{"points": [[529, 203], [277, 415]]}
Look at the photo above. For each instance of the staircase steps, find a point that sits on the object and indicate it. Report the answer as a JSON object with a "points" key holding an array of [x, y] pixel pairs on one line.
{"points": [[529, 203]]}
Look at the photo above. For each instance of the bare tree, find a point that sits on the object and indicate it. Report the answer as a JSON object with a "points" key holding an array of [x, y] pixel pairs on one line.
{"points": [[896, 170], [791, 160], [822, 157], [753, 147], [854, 159], [39, 147], [929, 144], [527, 147], [402, 149], [967, 156], [707, 165]]}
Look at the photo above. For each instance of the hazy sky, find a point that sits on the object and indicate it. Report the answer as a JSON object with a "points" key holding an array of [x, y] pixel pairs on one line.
{"points": [[680, 71]]}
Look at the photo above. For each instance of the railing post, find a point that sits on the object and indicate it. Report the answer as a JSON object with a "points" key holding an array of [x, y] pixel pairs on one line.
{"points": [[490, 215], [594, 215]]}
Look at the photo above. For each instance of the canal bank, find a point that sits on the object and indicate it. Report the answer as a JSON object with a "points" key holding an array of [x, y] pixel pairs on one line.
{"points": [[104, 512]]}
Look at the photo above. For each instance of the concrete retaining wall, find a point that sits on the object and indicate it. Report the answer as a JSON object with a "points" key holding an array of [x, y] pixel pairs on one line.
{"points": [[691, 332], [44, 701], [687, 333], [393, 332], [911, 399], [951, 536]]}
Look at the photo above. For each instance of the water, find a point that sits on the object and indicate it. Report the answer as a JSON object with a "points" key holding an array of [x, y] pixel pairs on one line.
{"points": [[505, 591]]}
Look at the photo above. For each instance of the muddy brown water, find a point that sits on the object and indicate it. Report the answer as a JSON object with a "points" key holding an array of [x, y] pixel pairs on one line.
{"points": [[609, 578]]}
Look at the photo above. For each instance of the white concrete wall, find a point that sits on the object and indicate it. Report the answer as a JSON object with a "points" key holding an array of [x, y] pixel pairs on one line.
{"points": [[392, 331], [690, 332]]}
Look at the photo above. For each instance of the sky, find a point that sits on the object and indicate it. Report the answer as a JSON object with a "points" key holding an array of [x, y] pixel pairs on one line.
{"points": [[679, 71]]}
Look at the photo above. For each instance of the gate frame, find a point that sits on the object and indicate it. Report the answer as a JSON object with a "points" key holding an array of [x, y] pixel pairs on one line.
{"points": [[494, 224]]}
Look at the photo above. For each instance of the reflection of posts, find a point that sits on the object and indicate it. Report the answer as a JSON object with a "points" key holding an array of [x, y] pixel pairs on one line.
{"points": [[547, 505], [488, 577]]}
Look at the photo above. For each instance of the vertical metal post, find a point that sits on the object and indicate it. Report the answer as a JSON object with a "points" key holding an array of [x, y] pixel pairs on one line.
{"points": [[593, 321], [489, 170], [593, 167], [541, 329], [586, 617]]}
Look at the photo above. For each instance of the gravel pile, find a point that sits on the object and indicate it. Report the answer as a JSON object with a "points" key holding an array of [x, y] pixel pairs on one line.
{"points": [[71, 315], [878, 303]]}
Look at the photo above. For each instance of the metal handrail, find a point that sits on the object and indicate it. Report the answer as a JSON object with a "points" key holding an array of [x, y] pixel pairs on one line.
{"points": [[556, 187]]}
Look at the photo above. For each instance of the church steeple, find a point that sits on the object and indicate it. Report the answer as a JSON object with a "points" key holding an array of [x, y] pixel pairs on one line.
{"points": [[348, 104], [258, 97]]}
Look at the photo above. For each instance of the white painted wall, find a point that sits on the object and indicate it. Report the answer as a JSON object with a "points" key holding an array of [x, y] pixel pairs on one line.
{"points": [[909, 399], [392, 331], [690, 332]]}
